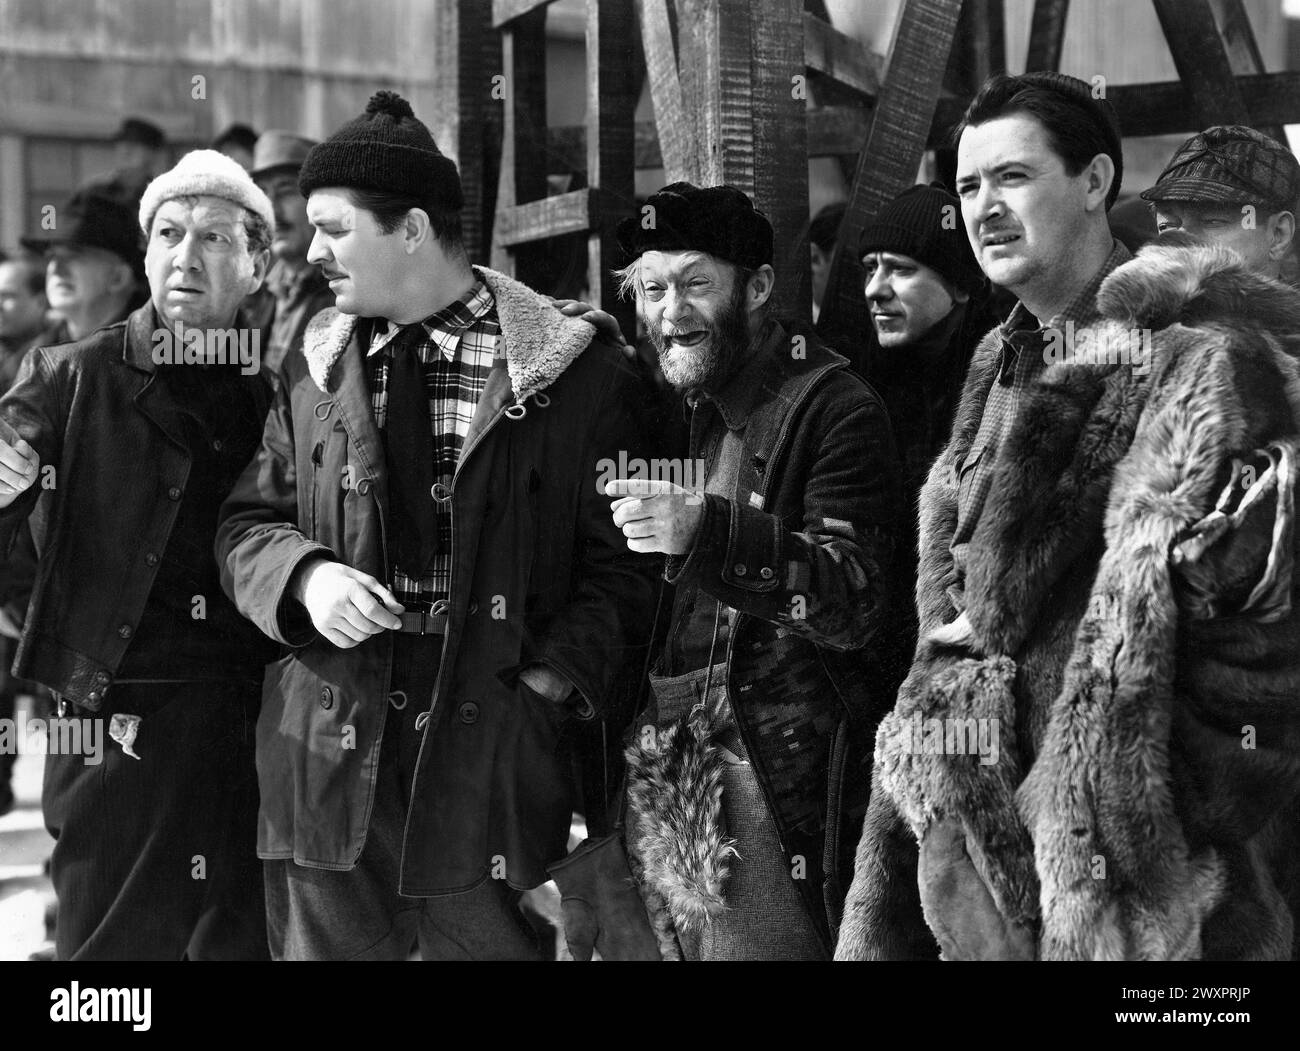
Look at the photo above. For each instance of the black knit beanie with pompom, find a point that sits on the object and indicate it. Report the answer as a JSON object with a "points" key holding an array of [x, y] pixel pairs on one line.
{"points": [[385, 149]]}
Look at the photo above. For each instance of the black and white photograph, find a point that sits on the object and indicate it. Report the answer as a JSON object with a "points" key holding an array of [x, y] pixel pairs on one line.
{"points": [[611, 481]]}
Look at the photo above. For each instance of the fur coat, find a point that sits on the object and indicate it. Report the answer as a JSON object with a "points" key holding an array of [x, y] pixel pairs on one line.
{"points": [[1132, 634]]}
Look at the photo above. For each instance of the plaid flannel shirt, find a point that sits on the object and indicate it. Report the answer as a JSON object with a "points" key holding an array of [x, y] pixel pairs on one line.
{"points": [[457, 356]]}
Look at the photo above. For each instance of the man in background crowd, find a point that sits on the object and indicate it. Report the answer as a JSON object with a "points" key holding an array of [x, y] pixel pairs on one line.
{"points": [[237, 141], [1234, 186], [93, 264], [299, 288]]}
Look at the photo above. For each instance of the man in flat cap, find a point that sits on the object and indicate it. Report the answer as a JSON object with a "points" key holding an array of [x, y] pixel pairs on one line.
{"points": [[140, 150], [423, 525], [779, 531], [132, 437], [299, 287], [1234, 186], [93, 264], [1094, 754]]}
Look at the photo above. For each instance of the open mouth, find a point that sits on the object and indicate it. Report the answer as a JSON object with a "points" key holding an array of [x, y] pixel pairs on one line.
{"points": [[687, 339]]}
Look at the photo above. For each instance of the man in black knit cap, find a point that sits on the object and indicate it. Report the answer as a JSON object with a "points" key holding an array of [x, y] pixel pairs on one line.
{"points": [[423, 526]]}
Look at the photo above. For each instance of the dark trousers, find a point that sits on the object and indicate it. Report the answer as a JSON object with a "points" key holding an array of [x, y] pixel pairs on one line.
{"points": [[321, 914], [155, 858]]}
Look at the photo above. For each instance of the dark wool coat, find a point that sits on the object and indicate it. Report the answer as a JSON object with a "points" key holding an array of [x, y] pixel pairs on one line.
{"points": [[1143, 801], [799, 546], [539, 574]]}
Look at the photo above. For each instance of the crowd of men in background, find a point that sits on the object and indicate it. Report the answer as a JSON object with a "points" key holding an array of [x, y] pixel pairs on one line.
{"points": [[738, 675]]}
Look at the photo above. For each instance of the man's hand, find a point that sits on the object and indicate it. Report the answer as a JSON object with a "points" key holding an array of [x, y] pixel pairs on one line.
{"points": [[19, 466], [656, 515], [957, 633], [346, 605], [546, 681], [604, 323]]}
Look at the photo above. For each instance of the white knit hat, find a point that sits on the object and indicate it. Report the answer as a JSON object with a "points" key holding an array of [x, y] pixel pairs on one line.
{"points": [[205, 172]]}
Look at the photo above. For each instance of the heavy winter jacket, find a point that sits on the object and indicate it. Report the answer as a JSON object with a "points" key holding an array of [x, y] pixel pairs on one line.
{"points": [[539, 574], [114, 468], [798, 543], [1141, 801]]}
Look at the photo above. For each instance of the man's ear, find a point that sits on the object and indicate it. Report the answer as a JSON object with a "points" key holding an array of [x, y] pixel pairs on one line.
{"points": [[123, 277], [1281, 234], [261, 264], [1100, 173], [761, 284], [417, 230]]}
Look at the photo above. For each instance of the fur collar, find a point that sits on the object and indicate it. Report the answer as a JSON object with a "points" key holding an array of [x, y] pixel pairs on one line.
{"points": [[540, 342]]}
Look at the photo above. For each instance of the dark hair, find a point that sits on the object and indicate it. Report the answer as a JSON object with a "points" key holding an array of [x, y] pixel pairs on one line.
{"points": [[1076, 124], [389, 210]]}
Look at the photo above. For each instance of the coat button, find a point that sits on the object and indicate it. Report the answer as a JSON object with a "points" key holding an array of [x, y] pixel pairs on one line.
{"points": [[92, 696], [174, 493], [766, 573], [102, 677], [218, 445], [125, 631], [151, 559], [469, 713], [327, 698], [739, 569]]}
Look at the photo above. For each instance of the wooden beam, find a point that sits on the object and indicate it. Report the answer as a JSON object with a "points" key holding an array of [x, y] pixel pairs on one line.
{"points": [[1201, 61], [478, 134], [676, 134], [504, 11], [892, 151], [611, 105], [714, 40], [522, 178], [779, 132], [827, 50], [565, 213], [1243, 53], [1046, 35]]}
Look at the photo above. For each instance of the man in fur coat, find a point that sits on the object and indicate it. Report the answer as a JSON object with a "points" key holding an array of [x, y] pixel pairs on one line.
{"points": [[742, 773], [1105, 593]]}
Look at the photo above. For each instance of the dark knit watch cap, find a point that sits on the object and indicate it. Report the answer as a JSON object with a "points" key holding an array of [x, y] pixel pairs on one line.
{"points": [[1230, 164], [385, 149], [718, 220], [925, 224]]}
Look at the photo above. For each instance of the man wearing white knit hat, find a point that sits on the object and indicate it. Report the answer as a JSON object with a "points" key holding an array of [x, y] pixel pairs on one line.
{"points": [[135, 435]]}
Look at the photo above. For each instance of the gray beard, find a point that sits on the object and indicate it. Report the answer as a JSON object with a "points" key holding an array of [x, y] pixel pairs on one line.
{"points": [[710, 364]]}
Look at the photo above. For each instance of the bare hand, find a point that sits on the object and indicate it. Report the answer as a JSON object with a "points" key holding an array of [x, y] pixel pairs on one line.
{"points": [[346, 605], [19, 466], [958, 633], [656, 515], [603, 322]]}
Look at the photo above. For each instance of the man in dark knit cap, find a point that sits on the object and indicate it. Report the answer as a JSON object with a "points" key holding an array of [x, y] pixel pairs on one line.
{"points": [[779, 537], [1094, 754], [1234, 186], [929, 309], [423, 526]]}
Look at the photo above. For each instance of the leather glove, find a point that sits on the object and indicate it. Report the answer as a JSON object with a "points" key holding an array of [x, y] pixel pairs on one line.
{"points": [[599, 904]]}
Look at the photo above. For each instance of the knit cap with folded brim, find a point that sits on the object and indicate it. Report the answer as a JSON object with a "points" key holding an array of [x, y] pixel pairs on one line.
{"points": [[205, 173], [385, 149]]}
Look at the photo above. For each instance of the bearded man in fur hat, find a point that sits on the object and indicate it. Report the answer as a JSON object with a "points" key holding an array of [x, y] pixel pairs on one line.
{"points": [[778, 541], [1106, 588]]}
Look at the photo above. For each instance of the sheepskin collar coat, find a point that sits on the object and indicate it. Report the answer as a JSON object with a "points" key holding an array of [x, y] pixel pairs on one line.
{"points": [[1142, 799], [539, 574]]}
